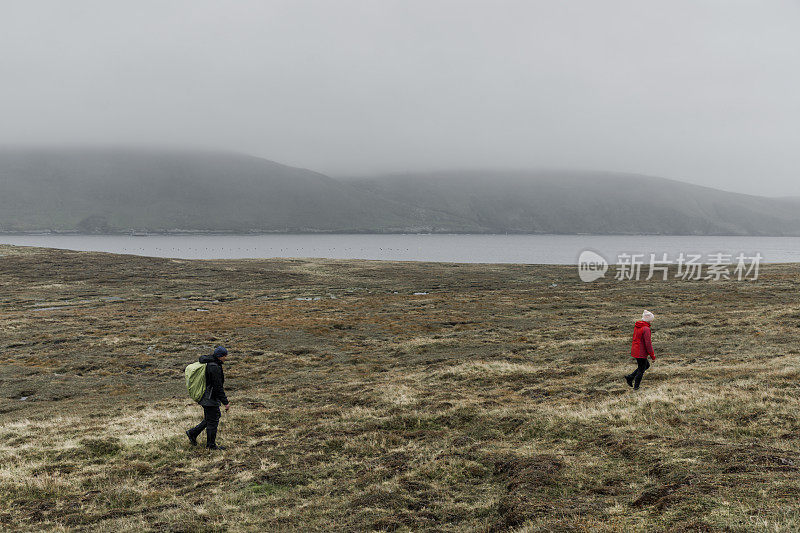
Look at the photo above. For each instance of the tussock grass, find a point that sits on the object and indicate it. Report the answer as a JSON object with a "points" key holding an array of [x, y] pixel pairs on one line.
{"points": [[494, 403]]}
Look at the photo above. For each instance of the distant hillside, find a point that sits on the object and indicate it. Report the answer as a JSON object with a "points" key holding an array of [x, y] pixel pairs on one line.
{"points": [[586, 202], [106, 190], [113, 190]]}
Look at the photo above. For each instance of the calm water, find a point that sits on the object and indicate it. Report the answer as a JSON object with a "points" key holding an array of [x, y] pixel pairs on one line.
{"points": [[550, 249]]}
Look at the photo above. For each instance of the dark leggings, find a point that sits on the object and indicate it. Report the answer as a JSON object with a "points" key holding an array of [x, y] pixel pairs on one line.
{"points": [[636, 376], [210, 423]]}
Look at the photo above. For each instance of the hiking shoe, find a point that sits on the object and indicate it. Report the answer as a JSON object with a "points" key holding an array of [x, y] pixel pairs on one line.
{"points": [[193, 440], [215, 447], [636, 388], [629, 379]]}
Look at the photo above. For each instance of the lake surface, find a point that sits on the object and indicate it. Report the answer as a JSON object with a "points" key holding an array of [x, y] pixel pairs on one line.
{"points": [[546, 249]]}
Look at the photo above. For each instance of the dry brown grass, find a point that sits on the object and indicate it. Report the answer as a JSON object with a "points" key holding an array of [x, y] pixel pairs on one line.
{"points": [[493, 403]]}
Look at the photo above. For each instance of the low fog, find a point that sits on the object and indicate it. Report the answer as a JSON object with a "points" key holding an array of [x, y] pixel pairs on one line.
{"points": [[706, 92]]}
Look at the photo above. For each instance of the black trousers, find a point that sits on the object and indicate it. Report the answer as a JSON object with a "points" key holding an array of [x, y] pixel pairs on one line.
{"points": [[211, 416], [636, 376]]}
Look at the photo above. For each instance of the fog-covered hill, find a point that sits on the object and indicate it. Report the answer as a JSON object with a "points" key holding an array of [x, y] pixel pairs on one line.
{"points": [[106, 190], [587, 202], [113, 190]]}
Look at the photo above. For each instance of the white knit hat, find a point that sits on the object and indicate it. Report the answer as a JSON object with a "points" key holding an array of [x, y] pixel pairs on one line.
{"points": [[647, 316]]}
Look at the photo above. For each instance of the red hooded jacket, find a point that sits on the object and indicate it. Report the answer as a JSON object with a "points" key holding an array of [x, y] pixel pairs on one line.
{"points": [[642, 347]]}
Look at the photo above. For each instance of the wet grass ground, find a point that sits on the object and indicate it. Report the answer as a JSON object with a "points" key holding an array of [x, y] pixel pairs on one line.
{"points": [[492, 402]]}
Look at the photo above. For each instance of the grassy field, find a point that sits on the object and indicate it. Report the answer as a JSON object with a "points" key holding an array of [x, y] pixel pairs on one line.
{"points": [[493, 402]]}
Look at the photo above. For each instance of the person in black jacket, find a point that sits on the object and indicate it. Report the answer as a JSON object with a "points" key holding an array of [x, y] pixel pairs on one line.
{"points": [[213, 397]]}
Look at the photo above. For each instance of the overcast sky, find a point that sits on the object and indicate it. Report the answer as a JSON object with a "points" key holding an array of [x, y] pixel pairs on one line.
{"points": [[700, 90]]}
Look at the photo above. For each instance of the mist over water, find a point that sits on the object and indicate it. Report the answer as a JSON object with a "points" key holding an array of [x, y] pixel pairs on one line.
{"points": [[522, 249]]}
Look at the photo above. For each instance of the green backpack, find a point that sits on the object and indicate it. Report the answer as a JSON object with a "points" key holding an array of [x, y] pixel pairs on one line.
{"points": [[196, 380]]}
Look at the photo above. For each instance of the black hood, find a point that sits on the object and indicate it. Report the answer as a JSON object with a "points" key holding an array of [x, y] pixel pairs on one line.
{"points": [[209, 359]]}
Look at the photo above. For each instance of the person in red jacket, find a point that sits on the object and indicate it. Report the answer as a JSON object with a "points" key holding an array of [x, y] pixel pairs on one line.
{"points": [[641, 349]]}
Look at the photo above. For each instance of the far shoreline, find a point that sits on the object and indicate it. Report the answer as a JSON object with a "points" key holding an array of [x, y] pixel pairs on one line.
{"points": [[189, 233], [523, 249]]}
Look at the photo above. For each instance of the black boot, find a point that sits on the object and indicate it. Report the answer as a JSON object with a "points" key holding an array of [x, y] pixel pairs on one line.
{"points": [[215, 447], [629, 380], [193, 440]]}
